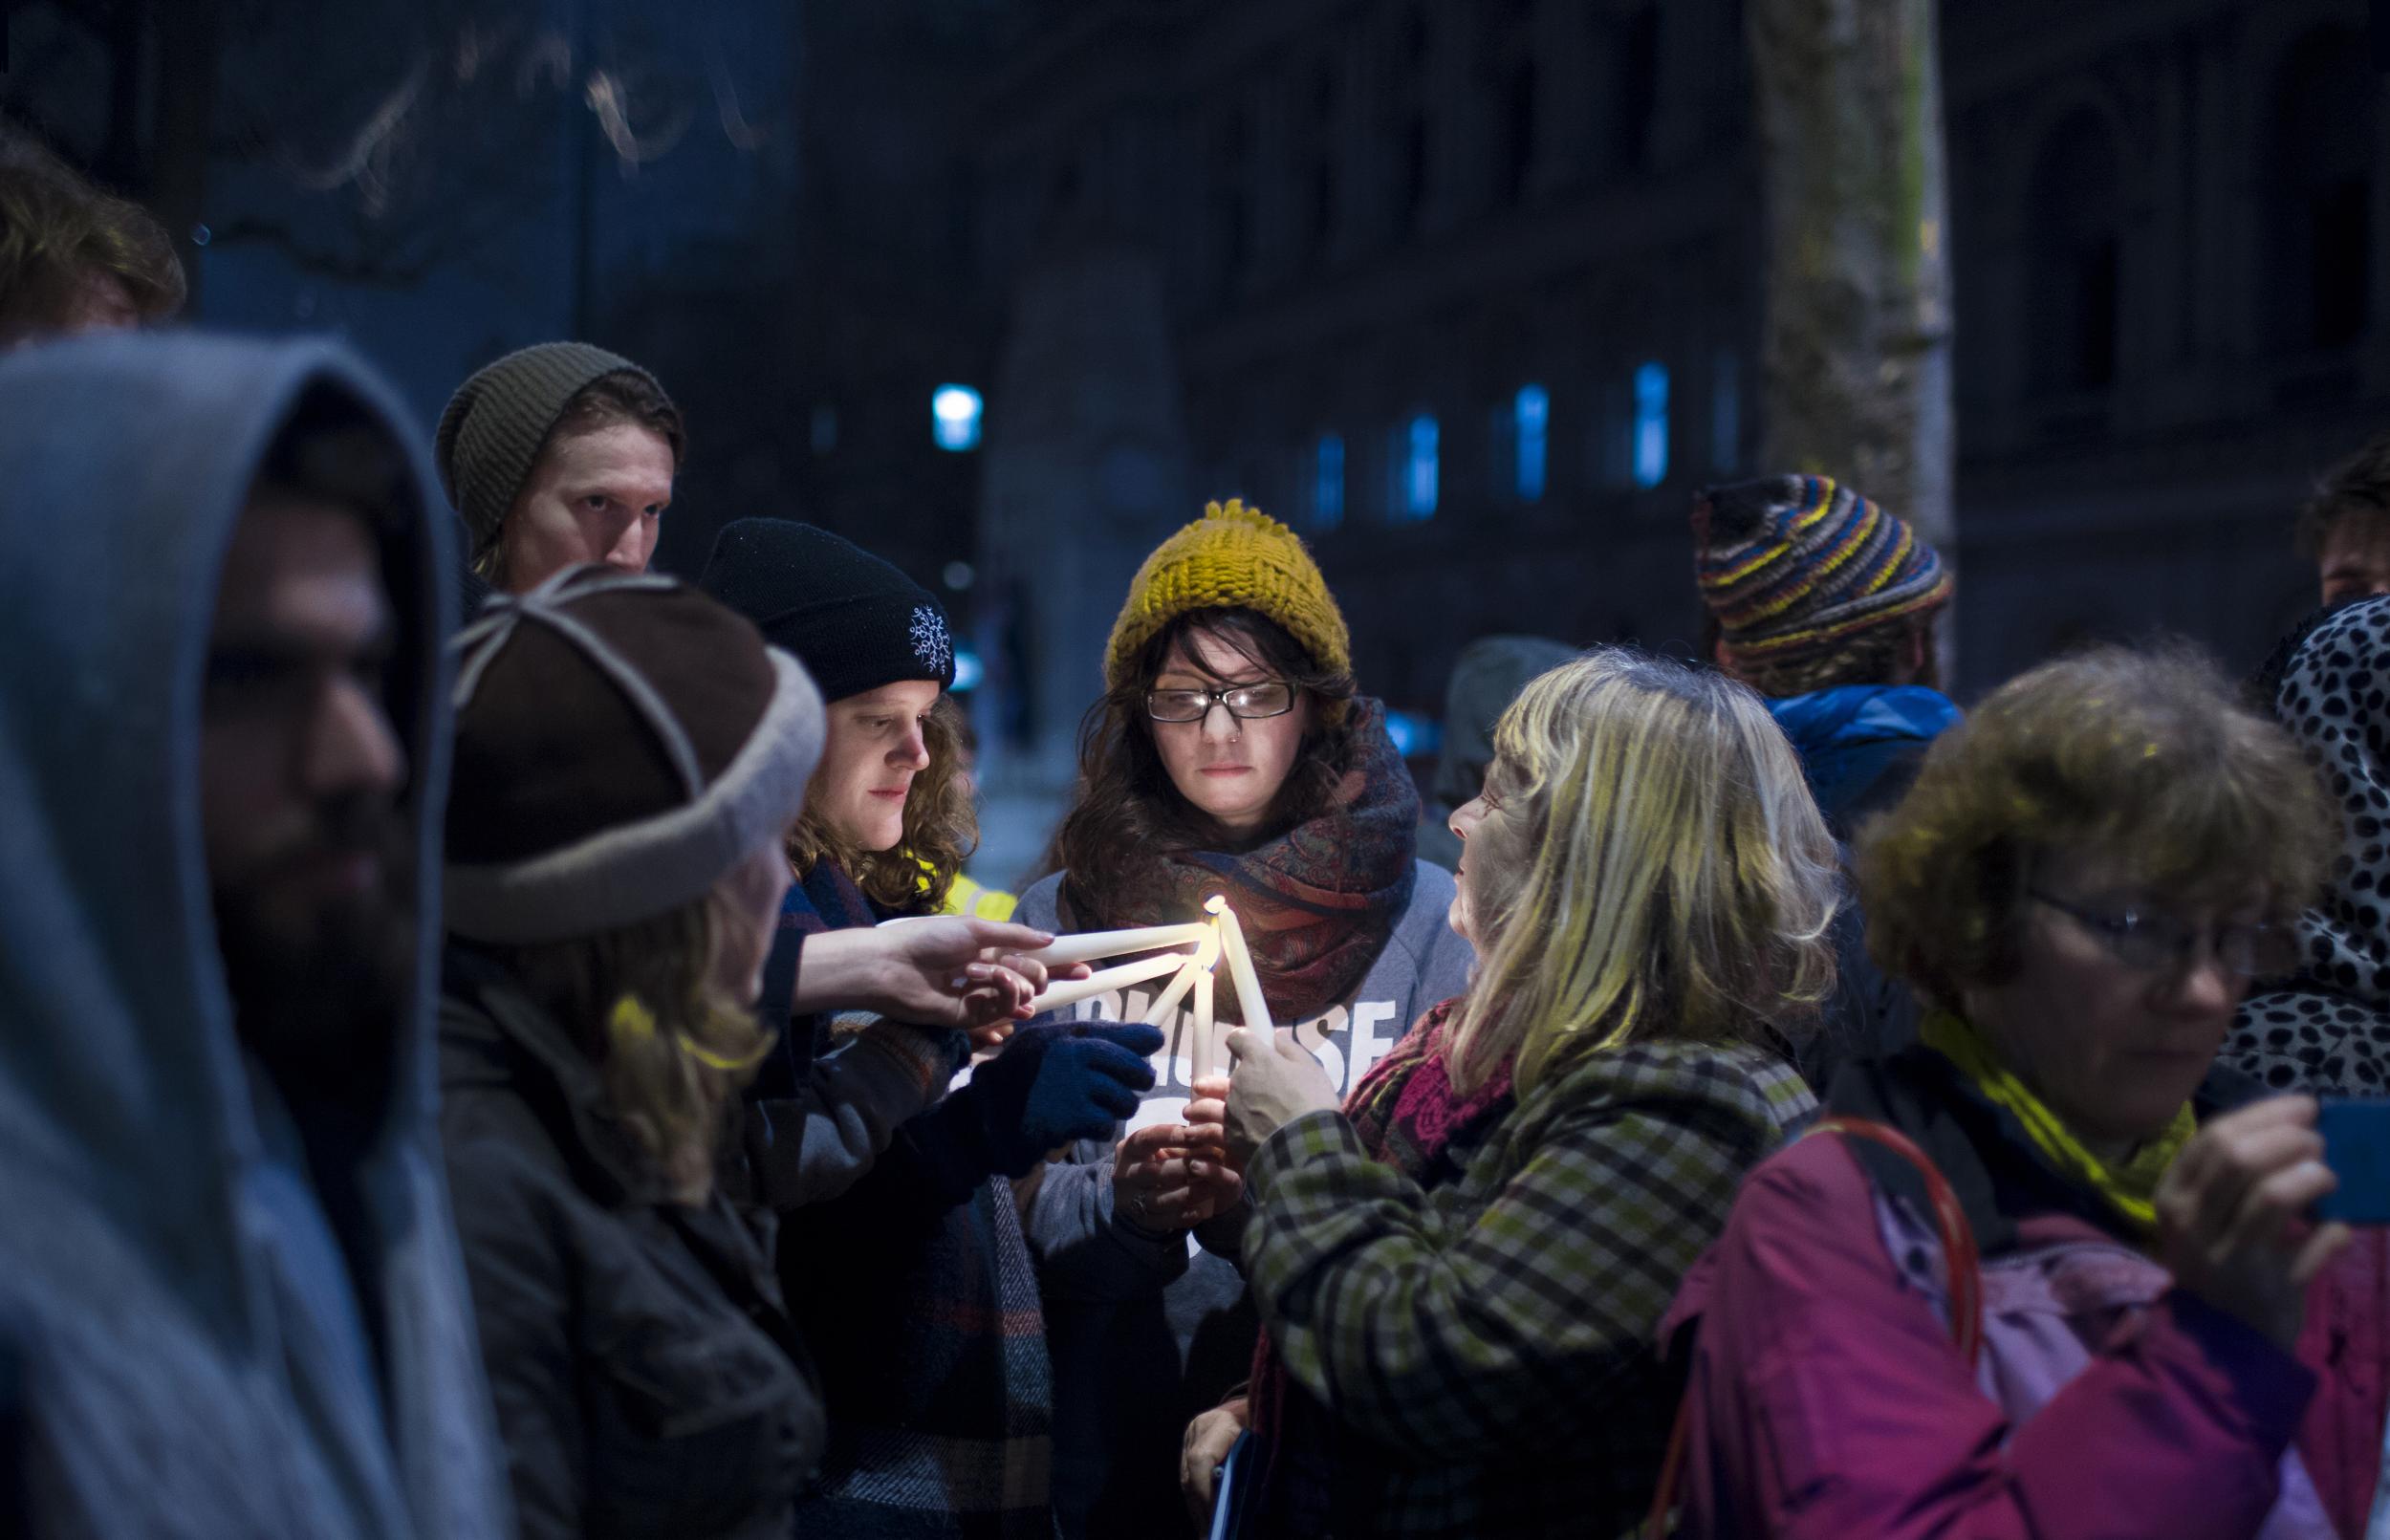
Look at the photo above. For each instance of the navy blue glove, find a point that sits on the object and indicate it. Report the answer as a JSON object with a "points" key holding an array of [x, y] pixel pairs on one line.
{"points": [[1054, 1084]]}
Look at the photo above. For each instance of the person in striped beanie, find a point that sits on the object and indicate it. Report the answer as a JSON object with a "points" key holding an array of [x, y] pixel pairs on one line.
{"points": [[1824, 602]]}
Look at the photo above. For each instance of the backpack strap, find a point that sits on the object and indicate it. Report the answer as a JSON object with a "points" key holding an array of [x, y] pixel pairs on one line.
{"points": [[1959, 1258]]}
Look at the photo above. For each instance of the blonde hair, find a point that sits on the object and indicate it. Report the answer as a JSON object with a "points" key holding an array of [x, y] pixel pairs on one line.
{"points": [[672, 1048], [1679, 881]]}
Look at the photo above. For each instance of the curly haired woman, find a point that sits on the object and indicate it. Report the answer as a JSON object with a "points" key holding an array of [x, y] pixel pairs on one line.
{"points": [[2081, 883], [1229, 754], [902, 1244]]}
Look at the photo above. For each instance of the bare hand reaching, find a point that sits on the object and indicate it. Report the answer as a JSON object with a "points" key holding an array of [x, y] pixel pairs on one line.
{"points": [[945, 971], [1277, 1081], [1208, 1440], [2228, 1214]]}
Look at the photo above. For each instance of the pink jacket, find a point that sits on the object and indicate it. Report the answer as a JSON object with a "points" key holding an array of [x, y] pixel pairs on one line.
{"points": [[1826, 1398]]}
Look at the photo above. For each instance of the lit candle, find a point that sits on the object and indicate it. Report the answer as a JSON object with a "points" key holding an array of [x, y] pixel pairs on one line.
{"points": [[1072, 991], [1089, 946], [1248, 996], [1206, 953], [1203, 1061]]}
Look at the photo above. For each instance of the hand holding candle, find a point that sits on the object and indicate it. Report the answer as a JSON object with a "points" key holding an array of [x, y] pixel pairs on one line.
{"points": [[1275, 1081]]}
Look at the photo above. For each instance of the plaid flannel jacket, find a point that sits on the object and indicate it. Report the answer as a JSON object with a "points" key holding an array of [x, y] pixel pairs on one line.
{"points": [[1487, 1345]]}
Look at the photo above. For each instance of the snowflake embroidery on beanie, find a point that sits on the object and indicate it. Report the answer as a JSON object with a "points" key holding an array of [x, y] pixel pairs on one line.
{"points": [[931, 643]]}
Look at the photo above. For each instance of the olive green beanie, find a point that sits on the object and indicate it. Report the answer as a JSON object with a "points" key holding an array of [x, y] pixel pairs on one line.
{"points": [[494, 427]]}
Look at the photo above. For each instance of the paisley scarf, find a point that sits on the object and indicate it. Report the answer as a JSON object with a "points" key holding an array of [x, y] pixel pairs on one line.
{"points": [[1318, 902]]}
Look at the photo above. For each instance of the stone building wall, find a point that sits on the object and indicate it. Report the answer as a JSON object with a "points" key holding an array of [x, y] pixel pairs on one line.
{"points": [[2168, 218]]}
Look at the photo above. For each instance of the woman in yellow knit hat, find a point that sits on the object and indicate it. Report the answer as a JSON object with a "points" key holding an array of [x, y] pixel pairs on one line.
{"points": [[1229, 754]]}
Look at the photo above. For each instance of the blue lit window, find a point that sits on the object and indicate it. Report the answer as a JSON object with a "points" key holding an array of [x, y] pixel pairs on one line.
{"points": [[1531, 410], [1651, 425], [954, 417], [1414, 737], [1415, 462], [1328, 483]]}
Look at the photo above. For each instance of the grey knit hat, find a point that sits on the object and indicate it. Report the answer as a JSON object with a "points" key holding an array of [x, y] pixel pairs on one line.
{"points": [[622, 743], [494, 427]]}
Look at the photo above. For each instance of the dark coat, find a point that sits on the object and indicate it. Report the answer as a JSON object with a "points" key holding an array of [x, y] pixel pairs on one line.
{"points": [[646, 1377]]}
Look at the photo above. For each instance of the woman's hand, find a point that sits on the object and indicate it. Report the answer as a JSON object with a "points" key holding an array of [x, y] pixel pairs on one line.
{"points": [[1173, 1176], [1275, 1081], [945, 971], [1208, 1440], [2228, 1214]]}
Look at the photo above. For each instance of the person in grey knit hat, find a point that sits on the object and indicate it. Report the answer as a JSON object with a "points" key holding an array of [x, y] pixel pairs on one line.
{"points": [[559, 454], [629, 755]]}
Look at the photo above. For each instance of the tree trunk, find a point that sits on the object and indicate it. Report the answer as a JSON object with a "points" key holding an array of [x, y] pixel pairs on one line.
{"points": [[1856, 339]]}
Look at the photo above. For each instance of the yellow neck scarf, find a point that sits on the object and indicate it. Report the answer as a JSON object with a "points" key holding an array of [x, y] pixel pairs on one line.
{"points": [[2127, 1188]]}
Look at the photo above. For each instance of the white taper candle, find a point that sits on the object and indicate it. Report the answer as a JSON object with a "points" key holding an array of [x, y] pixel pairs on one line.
{"points": [[1206, 1058], [1206, 953], [1071, 991], [1089, 946], [1250, 1002]]}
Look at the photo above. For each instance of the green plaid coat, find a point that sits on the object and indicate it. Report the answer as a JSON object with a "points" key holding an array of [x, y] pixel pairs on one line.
{"points": [[1485, 1342]]}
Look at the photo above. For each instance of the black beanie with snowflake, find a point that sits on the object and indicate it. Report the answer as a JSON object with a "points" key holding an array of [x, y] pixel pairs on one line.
{"points": [[853, 619]]}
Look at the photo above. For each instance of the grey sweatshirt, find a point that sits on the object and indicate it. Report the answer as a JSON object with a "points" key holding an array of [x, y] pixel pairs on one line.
{"points": [[1144, 1327], [183, 1332]]}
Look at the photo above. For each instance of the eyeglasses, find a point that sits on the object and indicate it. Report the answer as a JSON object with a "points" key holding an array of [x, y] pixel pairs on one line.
{"points": [[1245, 702], [2152, 942]]}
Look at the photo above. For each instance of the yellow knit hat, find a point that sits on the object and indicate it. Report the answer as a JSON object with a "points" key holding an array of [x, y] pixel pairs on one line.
{"points": [[1234, 558]]}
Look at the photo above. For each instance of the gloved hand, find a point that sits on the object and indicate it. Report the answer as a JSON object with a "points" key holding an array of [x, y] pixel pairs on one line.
{"points": [[1054, 1084]]}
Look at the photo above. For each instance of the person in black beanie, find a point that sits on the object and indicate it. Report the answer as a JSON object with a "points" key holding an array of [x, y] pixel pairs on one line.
{"points": [[927, 1329]]}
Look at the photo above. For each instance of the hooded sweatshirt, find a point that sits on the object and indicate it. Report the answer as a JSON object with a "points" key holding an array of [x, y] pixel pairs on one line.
{"points": [[1861, 744], [2326, 1027], [181, 1319]]}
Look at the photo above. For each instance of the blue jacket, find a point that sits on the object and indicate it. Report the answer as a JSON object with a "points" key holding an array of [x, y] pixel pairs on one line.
{"points": [[1860, 743]]}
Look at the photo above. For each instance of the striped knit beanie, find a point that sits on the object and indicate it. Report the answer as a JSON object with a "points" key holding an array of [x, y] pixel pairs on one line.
{"points": [[1792, 566], [1234, 558], [494, 427]]}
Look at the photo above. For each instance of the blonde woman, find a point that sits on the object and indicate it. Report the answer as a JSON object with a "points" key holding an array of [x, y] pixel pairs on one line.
{"points": [[1461, 1270]]}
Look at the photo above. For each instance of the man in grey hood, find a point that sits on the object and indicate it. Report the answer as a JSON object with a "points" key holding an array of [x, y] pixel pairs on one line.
{"points": [[230, 1301]]}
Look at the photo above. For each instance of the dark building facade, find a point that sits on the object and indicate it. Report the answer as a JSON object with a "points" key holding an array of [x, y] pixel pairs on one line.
{"points": [[1469, 294]]}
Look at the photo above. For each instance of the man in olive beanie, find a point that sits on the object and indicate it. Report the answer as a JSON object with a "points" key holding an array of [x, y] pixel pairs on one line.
{"points": [[557, 455]]}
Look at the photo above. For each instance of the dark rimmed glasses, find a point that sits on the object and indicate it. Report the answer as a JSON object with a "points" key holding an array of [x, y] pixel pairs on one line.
{"points": [[2154, 942], [1245, 702]]}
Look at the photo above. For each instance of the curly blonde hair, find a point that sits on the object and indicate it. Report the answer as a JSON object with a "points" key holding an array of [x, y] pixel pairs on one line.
{"points": [[675, 1056], [2143, 756], [1679, 883], [940, 829]]}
